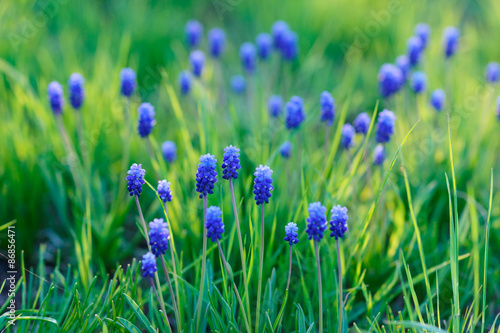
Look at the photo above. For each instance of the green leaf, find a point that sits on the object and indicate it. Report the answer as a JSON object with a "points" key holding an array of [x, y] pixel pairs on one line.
{"points": [[140, 315]]}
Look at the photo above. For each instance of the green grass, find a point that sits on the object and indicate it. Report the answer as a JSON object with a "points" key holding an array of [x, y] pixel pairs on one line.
{"points": [[423, 229]]}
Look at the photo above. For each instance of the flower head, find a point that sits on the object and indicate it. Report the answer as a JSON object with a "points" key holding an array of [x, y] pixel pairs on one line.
{"points": [[423, 32], [347, 136], [264, 43], [390, 79], [148, 265], [327, 108], [492, 72], [316, 222], [164, 191], [231, 162], [216, 41], [214, 224], [286, 149], [128, 84], [275, 106], [197, 59], [338, 222], [248, 55], [379, 154], [438, 98], [55, 96], [135, 179], [418, 82], [385, 126], [278, 31], [238, 84], [159, 236], [263, 184], [403, 63], [146, 119], [414, 50], [169, 150], [362, 123], [76, 90], [290, 45], [185, 82], [292, 236], [194, 33], [206, 177], [451, 36], [295, 113]]}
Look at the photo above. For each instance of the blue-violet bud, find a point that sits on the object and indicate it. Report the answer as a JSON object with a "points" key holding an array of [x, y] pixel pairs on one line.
{"points": [[231, 162], [214, 224], [295, 113], [197, 59], [316, 222], [423, 32], [338, 222], [238, 84], [286, 149], [278, 31], [76, 90], [164, 191], [263, 184], [206, 177], [492, 72], [438, 98], [347, 137], [419, 82], [148, 265], [128, 84], [327, 108], [216, 41], [379, 154], [390, 79], [135, 179], [264, 43], [292, 236], [185, 82], [385, 126], [169, 151], [55, 96], [194, 33], [275, 106], [290, 46], [248, 55], [146, 119], [159, 236], [450, 41], [414, 50], [403, 64], [362, 123]]}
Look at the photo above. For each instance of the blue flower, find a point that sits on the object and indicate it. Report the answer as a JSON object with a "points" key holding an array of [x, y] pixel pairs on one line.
{"points": [[128, 84], [347, 137], [275, 106], [423, 32], [76, 90], [231, 162], [362, 123], [185, 82], [290, 45], [248, 55], [403, 64], [194, 33], [286, 149], [419, 82], [206, 177], [135, 179], [438, 98], [164, 191], [169, 150], [295, 113], [214, 224], [390, 79], [264, 43], [450, 41], [379, 154], [159, 236], [316, 222], [278, 31], [292, 236], [338, 222], [148, 265], [492, 72], [327, 108], [238, 84], [385, 126], [197, 59], [55, 96], [146, 119], [414, 50], [262, 186], [216, 41]]}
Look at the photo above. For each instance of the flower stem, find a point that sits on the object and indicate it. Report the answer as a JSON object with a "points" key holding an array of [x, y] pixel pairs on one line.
{"points": [[174, 302], [320, 291], [161, 304], [289, 269], [235, 289], [126, 148], [242, 253], [261, 261], [327, 140], [203, 265], [146, 235], [341, 301], [174, 265]]}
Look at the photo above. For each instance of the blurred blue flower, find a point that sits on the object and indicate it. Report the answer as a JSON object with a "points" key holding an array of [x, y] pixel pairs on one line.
{"points": [[338, 222], [295, 113], [264, 43], [214, 224], [263, 184], [419, 82], [216, 41], [316, 222], [403, 64], [194, 33], [148, 265], [362, 123], [76, 90], [238, 84], [451, 36], [164, 191], [390, 79], [327, 108], [169, 151], [275, 106], [438, 98], [286, 149], [248, 55], [290, 45], [278, 31], [159, 236], [414, 50], [423, 31], [231, 162], [292, 236], [128, 84], [197, 59], [379, 154], [347, 137], [385, 126], [135, 179], [146, 120], [206, 176], [185, 81], [55, 96], [492, 72]]}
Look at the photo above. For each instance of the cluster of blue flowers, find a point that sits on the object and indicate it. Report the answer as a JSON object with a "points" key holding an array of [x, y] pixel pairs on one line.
{"points": [[327, 108], [164, 191], [295, 113], [214, 224], [231, 162], [206, 177], [55, 93], [317, 222], [146, 119], [135, 179], [263, 184], [159, 237]]}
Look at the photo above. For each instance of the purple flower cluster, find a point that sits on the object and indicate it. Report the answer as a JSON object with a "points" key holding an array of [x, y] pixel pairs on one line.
{"points": [[238, 84], [216, 42], [248, 55], [194, 33], [197, 60], [164, 191], [128, 84], [76, 90], [148, 265], [185, 82], [264, 42], [316, 222], [135, 179], [419, 82], [385, 126], [327, 108], [214, 224], [159, 237], [338, 222], [295, 113], [362, 123], [169, 151], [55, 96], [206, 177], [263, 184], [390, 80], [292, 236], [231, 162], [275, 106], [379, 154], [438, 98], [146, 120], [347, 136], [286, 149]]}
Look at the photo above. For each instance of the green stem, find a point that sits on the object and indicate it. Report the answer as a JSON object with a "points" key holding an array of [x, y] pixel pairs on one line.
{"points": [[320, 290], [174, 265], [261, 261], [203, 265], [174, 302], [341, 301], [161, 305]]}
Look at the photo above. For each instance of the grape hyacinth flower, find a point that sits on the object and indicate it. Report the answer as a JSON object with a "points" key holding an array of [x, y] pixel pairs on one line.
{"points": [[450, 41], [295, 114], [248, 55], [492, 72], [316, 222], [362, 123], [338, 222], [185, 82], [438, 98], [216, 42], [55, 96], [169, 151], [194, 33], [206, 177], [419, 82], [390, 79], [214, 224], [197, 59], [148, 265], [128, 84], [238, 84], [278, 31], [76, 90], [159, 237], [403, 64], [275, 106], [164, 191], [327, 108], [231, 162], [286, 149], [292, 237], [146, 119], [290, 46], [423, 31], [414, 49], [264, 43], [347, 136], [135, 179], [379, 154], [385, 126]]}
